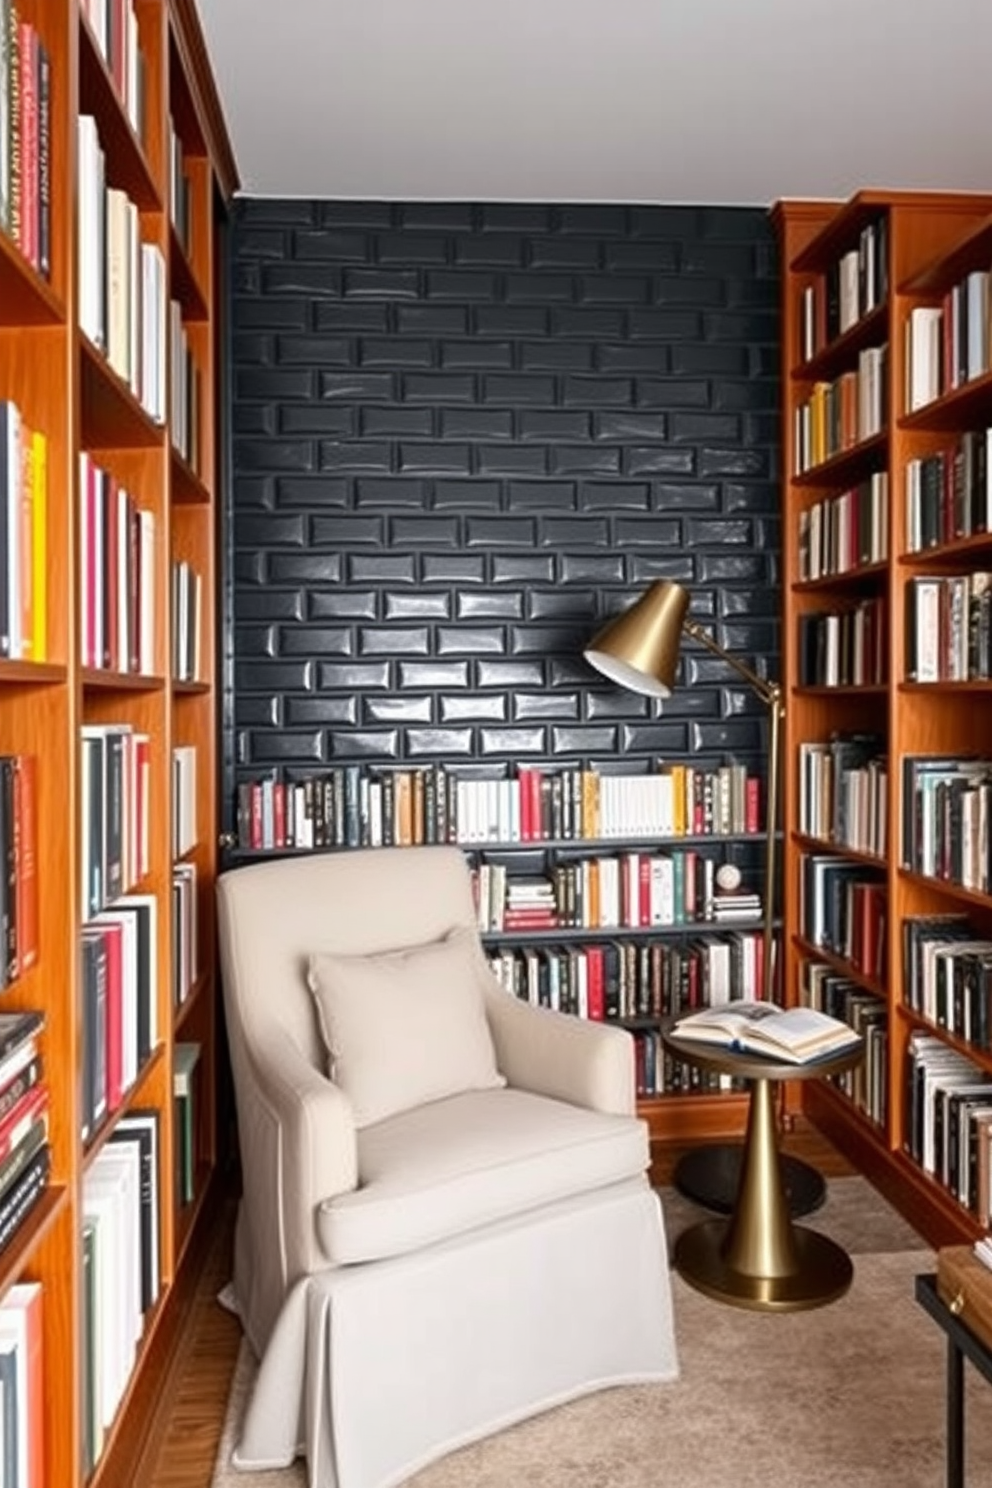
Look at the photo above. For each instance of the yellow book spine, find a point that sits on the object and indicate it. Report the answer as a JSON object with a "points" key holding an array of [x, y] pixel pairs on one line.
{"points": [[39, 544], [679, 827]]}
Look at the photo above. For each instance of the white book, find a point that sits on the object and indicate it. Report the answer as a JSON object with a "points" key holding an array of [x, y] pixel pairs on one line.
{"points": [[797, 1034]]}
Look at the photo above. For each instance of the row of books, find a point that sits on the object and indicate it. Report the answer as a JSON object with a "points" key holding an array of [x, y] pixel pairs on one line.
{"points": [[114, 25], [184, 391], [949, 975], [122, 280], [949, 492], [23, 538], [617, 980], [949, 627], [945, 824], [119, 991], [18, 866], [633, 891], [117, 541], [350, 806], [949, 1125], [23, 1455], [947, 345], [847, 531], [840, 414], [852, 287], [187, 623], [185, 953], [658, 1072], [845, 648], [121, 1267], [25, 138], [843, 792], [25, 1156], [844, 911], [180, 195], [184, 826], [866, 1083], [115, 812]]}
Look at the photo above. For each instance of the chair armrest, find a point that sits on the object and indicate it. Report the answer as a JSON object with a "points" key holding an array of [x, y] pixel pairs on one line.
{"points": [[560, 1055], [316, 1152]]}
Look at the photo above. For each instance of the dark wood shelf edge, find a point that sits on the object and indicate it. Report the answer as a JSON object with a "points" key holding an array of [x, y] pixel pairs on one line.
{"points": [[922, 1203], [920, 1022], [811, 952], [30, 1232]]}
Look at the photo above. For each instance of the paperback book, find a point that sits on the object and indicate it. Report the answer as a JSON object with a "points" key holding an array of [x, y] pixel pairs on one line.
{"points": [[798, 1034]]}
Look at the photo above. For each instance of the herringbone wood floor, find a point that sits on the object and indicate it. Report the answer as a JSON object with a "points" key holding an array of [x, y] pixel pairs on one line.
{"points": [[190, 1406]]}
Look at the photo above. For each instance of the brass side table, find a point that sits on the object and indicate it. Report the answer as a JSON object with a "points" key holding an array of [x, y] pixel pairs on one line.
{"points": [[758, 1258]]}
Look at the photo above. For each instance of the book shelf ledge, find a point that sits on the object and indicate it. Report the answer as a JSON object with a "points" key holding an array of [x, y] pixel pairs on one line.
{"points": [[184, 284], [37, 673], [947, 887], [841, 231], [977, 544], [812, 952], [859, 689], [98, 1138], [580, 845], [863, 574], [104, 680], [112, 417], [974, 251], [856, 855], [955, 409], [844, 466], [974, 1052], [571, 934], [25, 297], [188, 488], [30, 1232], [970, 684], [98, 96], [830, 360], [190, 689]]}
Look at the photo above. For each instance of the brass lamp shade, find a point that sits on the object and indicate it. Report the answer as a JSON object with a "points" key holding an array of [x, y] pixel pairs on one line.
{"points": [[639, 649]]}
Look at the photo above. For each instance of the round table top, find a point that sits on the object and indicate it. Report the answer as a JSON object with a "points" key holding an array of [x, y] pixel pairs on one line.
{"points": [[722, 1060]]}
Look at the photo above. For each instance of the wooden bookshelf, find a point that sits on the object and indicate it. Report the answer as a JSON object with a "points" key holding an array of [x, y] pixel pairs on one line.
{"points": [[65, 387], [930, 241]]}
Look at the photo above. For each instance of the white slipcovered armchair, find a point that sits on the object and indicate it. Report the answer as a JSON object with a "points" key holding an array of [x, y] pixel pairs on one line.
{"points": [[455, 1232]]}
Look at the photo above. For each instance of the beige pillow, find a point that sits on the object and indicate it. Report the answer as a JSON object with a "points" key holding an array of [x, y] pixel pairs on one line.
{"points": [[405, 1027]]}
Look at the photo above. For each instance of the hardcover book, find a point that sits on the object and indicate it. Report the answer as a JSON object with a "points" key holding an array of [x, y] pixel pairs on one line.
{"points": [[798, 1035]]}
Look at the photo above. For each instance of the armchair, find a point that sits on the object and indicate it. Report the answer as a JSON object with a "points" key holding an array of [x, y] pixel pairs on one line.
{"points": [[414, 1273]]}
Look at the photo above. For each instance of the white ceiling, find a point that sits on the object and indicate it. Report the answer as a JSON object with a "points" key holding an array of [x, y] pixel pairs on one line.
{"points": [[675, 101]]}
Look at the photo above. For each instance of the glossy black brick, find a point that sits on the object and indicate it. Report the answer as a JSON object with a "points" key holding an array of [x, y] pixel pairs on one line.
{"points": [[462, 435]]}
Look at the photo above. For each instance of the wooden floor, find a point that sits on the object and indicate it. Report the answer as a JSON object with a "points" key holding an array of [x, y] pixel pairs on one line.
{"points": [[190, 1406]]}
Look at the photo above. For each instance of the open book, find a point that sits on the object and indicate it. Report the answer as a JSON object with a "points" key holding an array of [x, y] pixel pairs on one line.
{"points": [[797, 1034]]}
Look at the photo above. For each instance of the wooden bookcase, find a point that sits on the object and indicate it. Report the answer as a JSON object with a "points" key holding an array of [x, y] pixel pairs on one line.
{"points": [[65, 388], [929, 242]]}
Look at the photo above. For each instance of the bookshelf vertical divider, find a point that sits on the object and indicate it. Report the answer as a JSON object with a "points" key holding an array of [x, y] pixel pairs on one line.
{"points": [[926, 242], [83, 400]]}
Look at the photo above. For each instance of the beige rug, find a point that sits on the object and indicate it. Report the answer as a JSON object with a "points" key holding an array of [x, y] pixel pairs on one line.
{"points": [[845, 1396]]}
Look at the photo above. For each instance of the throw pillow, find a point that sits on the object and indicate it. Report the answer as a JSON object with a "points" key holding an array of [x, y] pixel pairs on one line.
{"points": [[404, 1027]]}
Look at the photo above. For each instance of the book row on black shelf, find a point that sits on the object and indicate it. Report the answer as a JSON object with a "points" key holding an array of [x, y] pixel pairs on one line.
{"points": [[355, 806]]}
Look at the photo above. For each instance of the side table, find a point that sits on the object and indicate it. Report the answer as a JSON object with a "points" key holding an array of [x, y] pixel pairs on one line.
{"points": [[962, 1344], [758, 1258]]}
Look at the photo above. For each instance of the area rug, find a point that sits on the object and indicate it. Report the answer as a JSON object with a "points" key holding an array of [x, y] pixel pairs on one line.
{"points": [[845, 1396]]}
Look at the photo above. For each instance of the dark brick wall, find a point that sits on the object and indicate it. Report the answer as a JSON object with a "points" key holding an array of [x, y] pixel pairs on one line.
{"points": [[461, 436]]}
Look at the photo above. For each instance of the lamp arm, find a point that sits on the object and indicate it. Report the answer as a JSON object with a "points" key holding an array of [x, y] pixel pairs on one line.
{"points": [[769, 692]]}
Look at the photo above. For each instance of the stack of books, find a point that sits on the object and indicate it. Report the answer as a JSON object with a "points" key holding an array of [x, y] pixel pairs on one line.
{"points": [[733, 908]]}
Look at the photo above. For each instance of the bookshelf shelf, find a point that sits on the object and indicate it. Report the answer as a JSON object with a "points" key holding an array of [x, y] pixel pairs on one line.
{"points": [[835, 357], [578, 845], [845, 467], [112, 417], [931, 241], [187, 487], [863, 689], [100, 966], [574, 935], [866, 576], [128, 165], [981, 1057], [25, 297]]}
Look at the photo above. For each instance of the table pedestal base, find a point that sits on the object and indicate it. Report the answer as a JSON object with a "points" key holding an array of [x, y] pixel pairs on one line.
{"points": [[823, 1273], [711, 1176]]}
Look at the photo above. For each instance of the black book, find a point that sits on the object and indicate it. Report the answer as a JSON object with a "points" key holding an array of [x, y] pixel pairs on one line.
{"points": [[94, 980], [23, 1194], [8, 868]]}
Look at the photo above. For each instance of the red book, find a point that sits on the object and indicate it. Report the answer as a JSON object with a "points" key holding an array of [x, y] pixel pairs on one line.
{"points": [[537, 832], [91, 585], [596, 990], [751, 803], [524, 801], [644, 883], [21, 1117], [28, 47], [113, 939], [26, 860], [110, 571]]}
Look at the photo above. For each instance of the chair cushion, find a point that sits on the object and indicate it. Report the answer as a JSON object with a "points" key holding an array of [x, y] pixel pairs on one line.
{"points": [[406, 1026], [442, 1169]]}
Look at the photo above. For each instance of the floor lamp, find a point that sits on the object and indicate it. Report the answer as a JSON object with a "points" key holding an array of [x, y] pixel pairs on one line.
{"points": [[639, 650]]}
